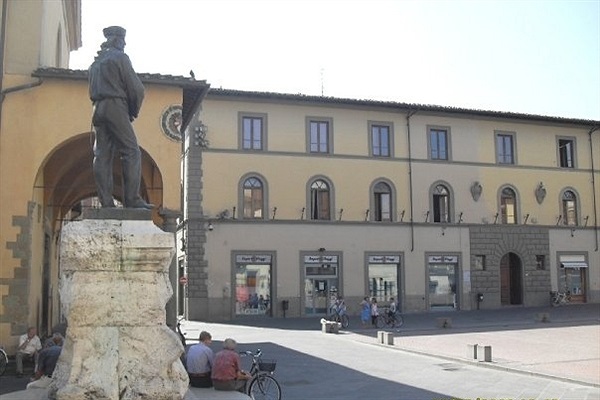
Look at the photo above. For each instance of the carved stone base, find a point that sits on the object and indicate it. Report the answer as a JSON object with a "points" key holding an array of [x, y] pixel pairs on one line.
{"points": [[114, 287]]}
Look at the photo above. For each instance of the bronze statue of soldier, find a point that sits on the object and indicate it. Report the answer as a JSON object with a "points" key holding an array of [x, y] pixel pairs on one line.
{"points": [[117, 94]]}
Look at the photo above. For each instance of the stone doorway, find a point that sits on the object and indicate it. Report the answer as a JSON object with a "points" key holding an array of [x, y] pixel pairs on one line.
{"points": [[511, 280]]}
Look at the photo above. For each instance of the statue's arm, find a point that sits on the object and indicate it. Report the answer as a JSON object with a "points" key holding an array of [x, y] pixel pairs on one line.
{"points": [[133, 87]]}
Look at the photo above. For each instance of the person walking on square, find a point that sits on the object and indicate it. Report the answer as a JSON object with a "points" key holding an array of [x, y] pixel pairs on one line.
{"points": [[29, 345], [117, 94], [365, 313], [374, 311], [199, 362]]}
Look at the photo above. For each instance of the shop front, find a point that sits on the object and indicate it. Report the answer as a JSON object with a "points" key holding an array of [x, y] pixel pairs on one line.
{"points": [[321, 283], [572, 276], [253, 277], [442, 278]]}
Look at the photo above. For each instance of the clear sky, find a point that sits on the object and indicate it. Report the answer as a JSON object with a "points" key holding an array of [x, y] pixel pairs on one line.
{"points": [[533, 57]]}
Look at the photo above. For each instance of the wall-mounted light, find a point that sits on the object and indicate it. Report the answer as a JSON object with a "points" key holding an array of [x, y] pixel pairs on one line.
{"points": [[210, 226]]}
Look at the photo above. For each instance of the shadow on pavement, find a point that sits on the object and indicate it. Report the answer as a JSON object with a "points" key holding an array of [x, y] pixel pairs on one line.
{"points": [[302, 376]]}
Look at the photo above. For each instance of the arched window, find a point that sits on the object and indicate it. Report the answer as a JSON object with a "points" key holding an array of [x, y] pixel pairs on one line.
{"points": [[569, 207], [508, 206], [253, 198], [382, 205], [440, 201], [320, 206]]}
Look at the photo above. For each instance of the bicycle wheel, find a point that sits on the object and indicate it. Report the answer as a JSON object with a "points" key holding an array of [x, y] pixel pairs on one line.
{"points": [[264, 387], [399, 321], [380, 321], [345, 321], [3, 362]]}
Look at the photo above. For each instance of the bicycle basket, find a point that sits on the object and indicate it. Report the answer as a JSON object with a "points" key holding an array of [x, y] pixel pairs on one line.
{"points": [[267, 365]]}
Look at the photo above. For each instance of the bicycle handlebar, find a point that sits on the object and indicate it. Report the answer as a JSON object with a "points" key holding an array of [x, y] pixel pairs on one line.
{"points": [[253, 355]]}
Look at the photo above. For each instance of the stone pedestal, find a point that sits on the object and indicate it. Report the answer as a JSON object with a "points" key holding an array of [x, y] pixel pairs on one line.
{"points": [[114, 286]]}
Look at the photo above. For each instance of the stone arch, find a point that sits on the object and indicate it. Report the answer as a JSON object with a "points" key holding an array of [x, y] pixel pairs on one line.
{"points": [[63, 179], [66, 177]]}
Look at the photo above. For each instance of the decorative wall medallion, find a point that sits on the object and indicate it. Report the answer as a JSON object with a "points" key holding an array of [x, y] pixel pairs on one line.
{"points": [[476, 190], [170, 122], [540, 193]]}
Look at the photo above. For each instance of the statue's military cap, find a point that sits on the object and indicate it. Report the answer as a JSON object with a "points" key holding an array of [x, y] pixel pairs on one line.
{"points": [[113, 31]]}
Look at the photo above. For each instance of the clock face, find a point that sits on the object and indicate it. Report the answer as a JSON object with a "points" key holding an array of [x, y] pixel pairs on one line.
{"points": [[170, 122]]}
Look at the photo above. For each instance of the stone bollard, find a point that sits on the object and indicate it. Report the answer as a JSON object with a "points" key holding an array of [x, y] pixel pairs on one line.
{"points": [[384, 337], [484, 353], [388, 338], [472, 351], [330, 326]]}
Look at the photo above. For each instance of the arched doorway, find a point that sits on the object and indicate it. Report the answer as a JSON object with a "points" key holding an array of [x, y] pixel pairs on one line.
{"points": [[511, 280], [63, 183]]}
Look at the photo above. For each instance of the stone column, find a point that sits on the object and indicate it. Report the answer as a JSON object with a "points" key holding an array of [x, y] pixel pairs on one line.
{"points": [[170, 225], [114, 287]]}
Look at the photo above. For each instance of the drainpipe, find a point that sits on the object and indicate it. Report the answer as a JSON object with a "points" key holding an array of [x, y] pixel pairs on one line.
{"points": [[2, 39], [595, 204], [410, 182]]}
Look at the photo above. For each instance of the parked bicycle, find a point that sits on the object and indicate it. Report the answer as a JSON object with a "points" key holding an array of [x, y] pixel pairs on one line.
{"points": [[262, 385], [338, 314], [560, 298], [385, 319], [3, 361], [181, 334]]}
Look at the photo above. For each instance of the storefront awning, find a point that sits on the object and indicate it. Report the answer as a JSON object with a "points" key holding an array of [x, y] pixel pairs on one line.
{"points": [[573, 264]]}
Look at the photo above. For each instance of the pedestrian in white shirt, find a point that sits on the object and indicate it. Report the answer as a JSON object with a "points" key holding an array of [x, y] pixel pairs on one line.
{"points": [[29, 345]]}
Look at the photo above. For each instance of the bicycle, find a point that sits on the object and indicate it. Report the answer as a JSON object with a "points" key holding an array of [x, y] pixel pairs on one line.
{"points": [[560, 298], [3, 361], [384, 319], [181, 334], [262, 385], [339, 315]]}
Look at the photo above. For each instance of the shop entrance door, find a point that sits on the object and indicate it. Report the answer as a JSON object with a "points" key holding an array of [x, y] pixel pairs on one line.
{"points": [[318, 293], [321, 283]]}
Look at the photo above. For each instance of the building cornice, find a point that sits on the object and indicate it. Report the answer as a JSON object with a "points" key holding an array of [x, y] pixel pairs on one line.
{"points": [[271, 97]]}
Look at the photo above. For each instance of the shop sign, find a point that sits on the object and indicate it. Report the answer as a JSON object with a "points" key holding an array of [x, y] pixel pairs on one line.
{"points": [[320, 259], [253, 258], [443, 259], [384, 259]]}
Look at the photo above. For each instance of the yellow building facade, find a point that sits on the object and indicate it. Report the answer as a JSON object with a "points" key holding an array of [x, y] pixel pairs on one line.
{"points": [[46, 154], [283, 202], [308, 198]]}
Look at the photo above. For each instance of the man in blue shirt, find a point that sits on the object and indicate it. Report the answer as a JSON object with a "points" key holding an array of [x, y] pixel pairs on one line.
{"points": [[199, 362], [47, 360]]}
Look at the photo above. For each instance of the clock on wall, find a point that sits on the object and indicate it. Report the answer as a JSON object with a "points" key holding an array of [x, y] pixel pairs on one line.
{"points": [[170, 122]]}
